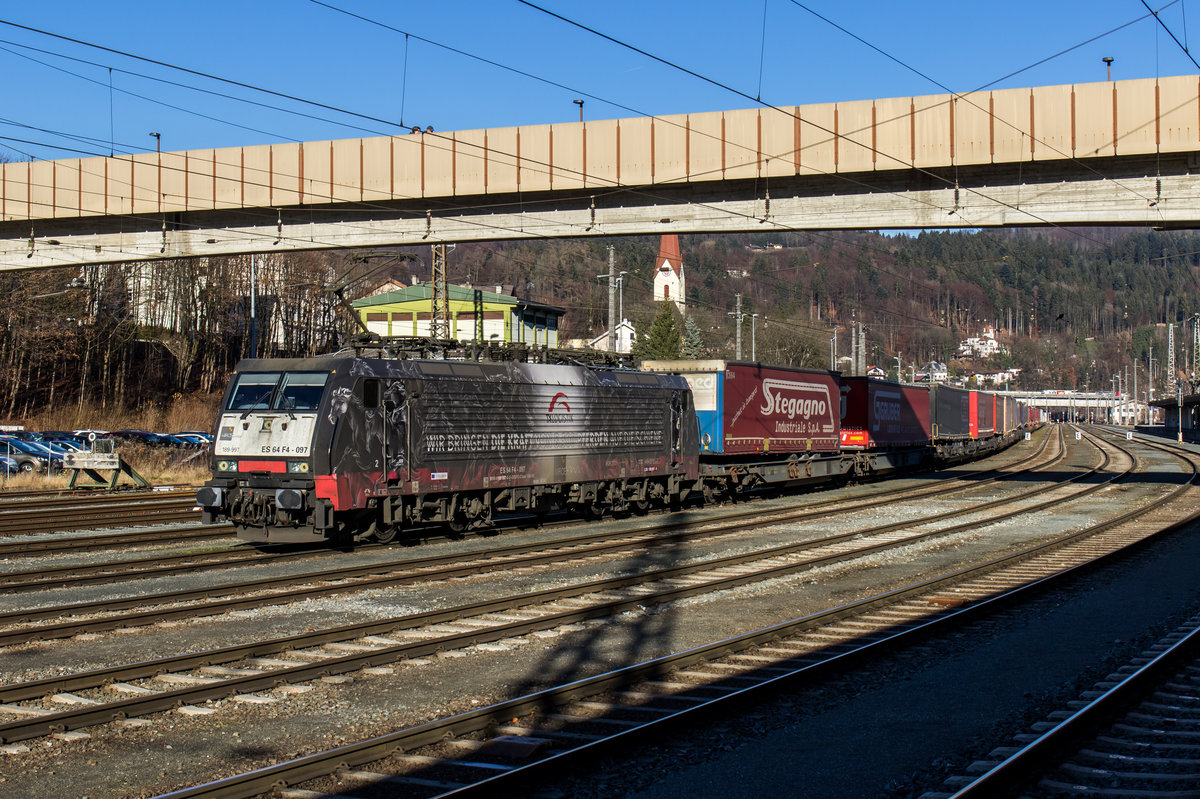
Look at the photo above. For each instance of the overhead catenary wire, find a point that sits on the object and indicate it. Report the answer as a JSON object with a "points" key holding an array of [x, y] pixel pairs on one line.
{"points": [[740, 93], [239, 83], [966, 96], [325, 105], [542, 164], [1163, 25]]}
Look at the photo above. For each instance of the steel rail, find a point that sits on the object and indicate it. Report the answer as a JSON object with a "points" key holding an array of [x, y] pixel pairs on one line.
{"points": [[416, 570], [84, 543], [1042, 752], [96, 678], [27, 521], [196, 532], [163, 565], [323, 764], [100, 714]]}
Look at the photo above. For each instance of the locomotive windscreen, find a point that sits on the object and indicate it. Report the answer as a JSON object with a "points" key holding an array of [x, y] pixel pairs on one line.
{"points": [[277, 391]]}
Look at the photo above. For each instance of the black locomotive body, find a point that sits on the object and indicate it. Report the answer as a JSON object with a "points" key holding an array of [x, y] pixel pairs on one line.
{"points": [[339, 447]]}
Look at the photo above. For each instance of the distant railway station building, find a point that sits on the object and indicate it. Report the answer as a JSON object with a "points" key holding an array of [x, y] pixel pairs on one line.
{"points": [[475, 314]]}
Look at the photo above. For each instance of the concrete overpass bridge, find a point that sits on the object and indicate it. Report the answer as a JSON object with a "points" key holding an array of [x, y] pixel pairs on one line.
{"points": [[1081, 406], [1121, 153]]}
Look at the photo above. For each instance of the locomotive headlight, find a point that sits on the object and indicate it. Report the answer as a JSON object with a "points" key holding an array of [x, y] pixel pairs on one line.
{"points": [[226, 466], [298, 467]]}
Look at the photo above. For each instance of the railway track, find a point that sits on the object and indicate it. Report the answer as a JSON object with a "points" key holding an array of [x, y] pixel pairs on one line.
{"points": [[83, 513], [506, 747], [21, 494], [275, 590], [1133, 735], [185, 534], [191, 562], [377, 643], [190, 533]]}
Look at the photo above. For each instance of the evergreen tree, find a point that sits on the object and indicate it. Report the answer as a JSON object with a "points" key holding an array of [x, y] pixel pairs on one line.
{"points": [[664, 341], [693, 346]]}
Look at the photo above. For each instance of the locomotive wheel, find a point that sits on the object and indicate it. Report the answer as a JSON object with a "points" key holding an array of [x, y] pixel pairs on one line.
{"points": [[592, 510], [386, 533], [457, 524], [640, 506]]}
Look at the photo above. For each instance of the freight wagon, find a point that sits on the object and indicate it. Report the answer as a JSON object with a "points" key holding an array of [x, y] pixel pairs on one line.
{"points": [[763, 424]]}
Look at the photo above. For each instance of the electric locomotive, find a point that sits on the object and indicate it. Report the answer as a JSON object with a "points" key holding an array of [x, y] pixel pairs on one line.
{"points": [[345, 446]]}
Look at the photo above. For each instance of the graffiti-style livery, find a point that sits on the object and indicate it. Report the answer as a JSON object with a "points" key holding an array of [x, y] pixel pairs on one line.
{"points": [[345, 446]]}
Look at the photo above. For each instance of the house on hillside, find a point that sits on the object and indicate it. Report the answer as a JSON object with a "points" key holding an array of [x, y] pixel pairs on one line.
{"points": [[475, 314], [933, 372], [997, 377], [982, 346], [626, 334]]}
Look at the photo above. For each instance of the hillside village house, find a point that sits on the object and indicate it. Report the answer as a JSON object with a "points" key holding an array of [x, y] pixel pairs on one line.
{"points": [[982, 346]]}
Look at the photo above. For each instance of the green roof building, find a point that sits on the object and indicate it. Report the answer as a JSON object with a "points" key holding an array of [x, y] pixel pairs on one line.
{"points": [[474, 315]]}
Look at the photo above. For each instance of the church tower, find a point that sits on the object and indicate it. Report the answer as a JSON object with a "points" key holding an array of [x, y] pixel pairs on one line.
{"points": [[668, 274]]}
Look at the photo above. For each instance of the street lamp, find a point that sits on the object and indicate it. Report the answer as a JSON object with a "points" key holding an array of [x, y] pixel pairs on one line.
{"points": [[157, 142], [1108, 63], [580, 104]]}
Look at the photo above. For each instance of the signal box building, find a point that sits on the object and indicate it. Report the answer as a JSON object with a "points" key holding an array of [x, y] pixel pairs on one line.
{"points": [[503, 318]]}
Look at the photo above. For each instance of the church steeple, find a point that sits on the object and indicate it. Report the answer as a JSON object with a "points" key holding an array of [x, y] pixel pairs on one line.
{"points": [[668, 273]]}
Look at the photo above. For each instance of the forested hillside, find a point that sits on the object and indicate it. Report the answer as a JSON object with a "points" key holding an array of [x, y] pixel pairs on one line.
{"points": [[1074, 306]]}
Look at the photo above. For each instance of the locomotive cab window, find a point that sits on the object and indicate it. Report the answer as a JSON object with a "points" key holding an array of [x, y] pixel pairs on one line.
{"points": [[253, 391], [370, 393], [300, 391]]}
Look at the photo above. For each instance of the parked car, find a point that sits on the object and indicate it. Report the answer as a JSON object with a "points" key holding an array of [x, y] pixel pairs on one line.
{"points": [[64, 435], [198, 440], [8, 465], [69, 445], [23, 435], [140, 437], [37, 450], [26, 460]]}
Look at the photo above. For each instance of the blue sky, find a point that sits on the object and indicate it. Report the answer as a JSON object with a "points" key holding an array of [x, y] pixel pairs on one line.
{"points": [[310, 51]]}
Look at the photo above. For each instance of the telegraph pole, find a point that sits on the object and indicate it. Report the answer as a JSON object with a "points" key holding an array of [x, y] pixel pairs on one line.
{"points": [[612, 298], [612, 290], [1150, 376], [253, 314], [753, 338], [737, 318], [861, 365]]}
